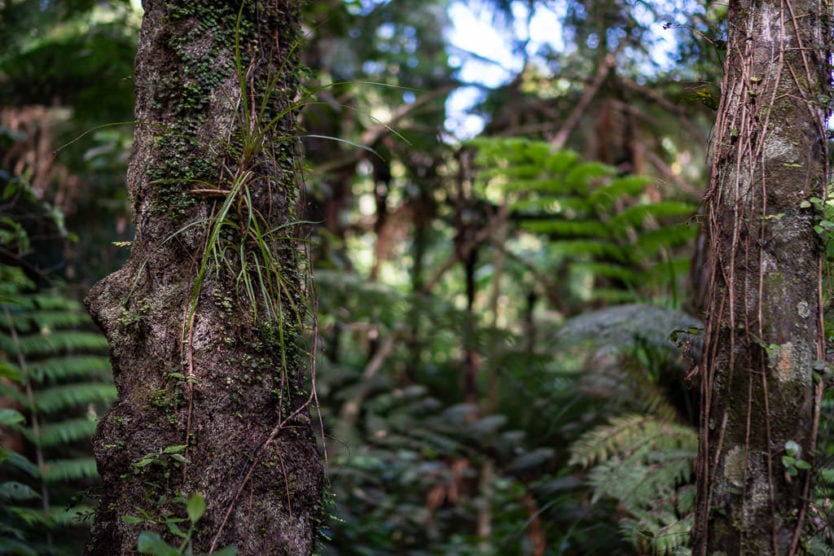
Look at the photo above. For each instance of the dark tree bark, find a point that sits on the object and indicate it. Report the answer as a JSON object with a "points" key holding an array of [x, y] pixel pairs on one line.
{"points": [[764, 324], [205, 319]]}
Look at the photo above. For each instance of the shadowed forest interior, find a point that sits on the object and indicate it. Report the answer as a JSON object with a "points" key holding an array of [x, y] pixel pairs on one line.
{"points": [[503, 283]]}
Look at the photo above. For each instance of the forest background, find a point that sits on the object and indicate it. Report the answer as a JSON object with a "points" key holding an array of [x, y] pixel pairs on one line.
{"points": [[506, 325]]}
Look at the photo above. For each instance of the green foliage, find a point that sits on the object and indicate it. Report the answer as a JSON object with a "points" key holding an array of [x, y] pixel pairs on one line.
{"points": [[151, 542], [57, 377], [646, 465], [406, 456], [824, 221], [599, 226], [412, 458], [638, 455]]}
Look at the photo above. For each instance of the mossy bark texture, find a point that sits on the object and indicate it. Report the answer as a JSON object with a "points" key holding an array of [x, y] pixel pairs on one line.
{"points": [[764, 331], [207, 351]]}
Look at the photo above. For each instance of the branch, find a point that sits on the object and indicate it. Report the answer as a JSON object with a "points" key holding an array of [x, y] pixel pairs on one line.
{"points": [[587, 95]]}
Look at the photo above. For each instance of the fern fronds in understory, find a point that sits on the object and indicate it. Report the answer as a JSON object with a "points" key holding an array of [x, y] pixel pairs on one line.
{"points": [[57, 377], [602, 228], [646, 464]]}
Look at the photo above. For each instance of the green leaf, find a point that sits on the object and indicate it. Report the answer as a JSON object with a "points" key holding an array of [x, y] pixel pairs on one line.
{"points": [[151, 543], [70, 469], [132, 519], [19, 461], [175, 529], [226, 551], [13, 490], [196, 507], [11, 418], [147, 459], [9, 371]]}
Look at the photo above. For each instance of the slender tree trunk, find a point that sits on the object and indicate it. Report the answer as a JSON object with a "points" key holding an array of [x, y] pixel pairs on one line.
{"points": [[204, 321], [764, 330]]}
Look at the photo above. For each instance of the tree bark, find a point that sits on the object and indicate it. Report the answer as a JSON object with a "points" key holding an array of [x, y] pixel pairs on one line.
{"points": [[764, 321], [205, 319]]}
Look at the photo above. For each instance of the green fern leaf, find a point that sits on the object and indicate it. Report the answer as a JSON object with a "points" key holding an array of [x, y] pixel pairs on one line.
{"points": [[13, 490], [70, 367], [637, 215], [592, 248], [580, 177], [63, 432], [69, 470], [51, 342], [566, 228], [18, 461], [560, 161], [606, 195], [607, 270], [54, 320], [59, 398]]}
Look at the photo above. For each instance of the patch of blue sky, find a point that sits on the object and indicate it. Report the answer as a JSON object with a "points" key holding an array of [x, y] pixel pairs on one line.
{"points": [[487, 54]]}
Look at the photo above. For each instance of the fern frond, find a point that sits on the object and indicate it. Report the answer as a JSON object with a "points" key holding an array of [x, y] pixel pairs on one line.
{"points": [[646, 465], [651, 242], [75, 516], [606, 195], [636, 215], [608, 270], [591, 247], [10, 371], [63, 432], [70, 367], [16, 491], [18, 461], [628, 434], [579, 178], [11, 545], [54, 320], [69, 470], [66, 396], [566, 228], [51, 342], [560, 161], [12, 391], [51, 302], [664, 535]]}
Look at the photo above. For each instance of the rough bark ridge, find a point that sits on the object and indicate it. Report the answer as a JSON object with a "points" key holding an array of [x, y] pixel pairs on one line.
{"points": [[764, 330], [206, 349]]}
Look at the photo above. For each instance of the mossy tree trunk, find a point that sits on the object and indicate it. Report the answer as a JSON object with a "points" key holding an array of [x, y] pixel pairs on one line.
{"points": [[764, 330], [205, 319]]}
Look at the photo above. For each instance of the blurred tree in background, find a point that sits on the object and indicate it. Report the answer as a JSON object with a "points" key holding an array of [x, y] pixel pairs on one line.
{"points": [[506, 317]]}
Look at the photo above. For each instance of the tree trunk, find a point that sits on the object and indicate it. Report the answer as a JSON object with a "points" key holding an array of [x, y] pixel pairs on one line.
{"points": [[205, 319], [764, 324]]}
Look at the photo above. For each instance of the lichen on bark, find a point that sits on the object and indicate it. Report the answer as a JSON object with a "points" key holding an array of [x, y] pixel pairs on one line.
{"points": [[199, 362]]}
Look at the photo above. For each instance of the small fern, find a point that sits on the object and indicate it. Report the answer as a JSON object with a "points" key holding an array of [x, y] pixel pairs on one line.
{"points": [[646, 465]]}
